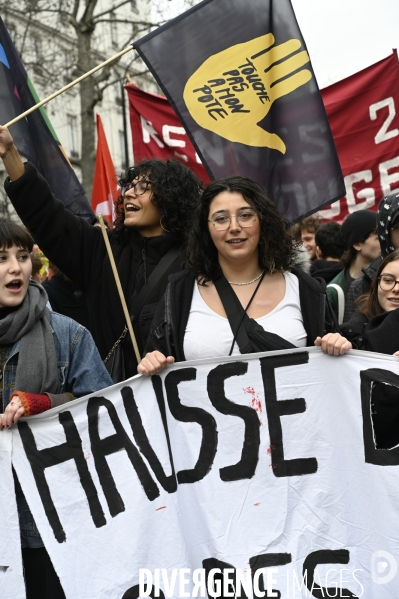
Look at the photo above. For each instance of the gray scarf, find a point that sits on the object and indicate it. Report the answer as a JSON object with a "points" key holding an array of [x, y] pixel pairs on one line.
{"points": [[37, 370]]}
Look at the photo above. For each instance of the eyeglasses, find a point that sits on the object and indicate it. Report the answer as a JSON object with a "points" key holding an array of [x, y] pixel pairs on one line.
{"points": [[222, 222], [139, 188], [387, 282]]}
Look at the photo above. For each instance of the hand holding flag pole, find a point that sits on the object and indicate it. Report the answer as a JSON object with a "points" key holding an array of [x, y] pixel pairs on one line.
{"points": [[120, 290], [63, 89]]}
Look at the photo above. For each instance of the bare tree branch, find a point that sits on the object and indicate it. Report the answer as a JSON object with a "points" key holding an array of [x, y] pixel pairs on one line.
{"points": [[75, 9], [111, 9], [73, 49]]}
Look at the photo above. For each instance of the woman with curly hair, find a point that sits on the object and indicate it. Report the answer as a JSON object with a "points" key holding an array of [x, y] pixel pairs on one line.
{"points": [[156, 202], [238, 240]]}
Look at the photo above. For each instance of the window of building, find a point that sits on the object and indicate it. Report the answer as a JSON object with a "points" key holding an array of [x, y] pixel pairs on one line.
{"points": [[114, 29], [12, 31], [36, 55], [35, 49], [72, 125], [66, 65], [122, 148], [118, 95]]}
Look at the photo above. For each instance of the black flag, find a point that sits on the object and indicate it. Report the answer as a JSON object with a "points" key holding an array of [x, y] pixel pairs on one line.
{"points": [[34, 136], [238, 75]]}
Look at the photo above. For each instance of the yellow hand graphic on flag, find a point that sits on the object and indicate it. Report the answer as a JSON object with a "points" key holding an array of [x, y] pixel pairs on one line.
{"points": [[232, 91]]}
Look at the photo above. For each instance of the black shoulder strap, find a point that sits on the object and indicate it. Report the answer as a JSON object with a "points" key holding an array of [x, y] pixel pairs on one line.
{"points": [[235, 313], [160, 270]]}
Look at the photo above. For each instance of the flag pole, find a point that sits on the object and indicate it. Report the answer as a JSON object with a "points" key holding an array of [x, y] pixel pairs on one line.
{"points": [[63, 89], [120, 290]]}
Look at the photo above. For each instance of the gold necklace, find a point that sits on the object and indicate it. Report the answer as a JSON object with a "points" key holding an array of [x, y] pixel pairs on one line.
{"points": [[249, 282]]}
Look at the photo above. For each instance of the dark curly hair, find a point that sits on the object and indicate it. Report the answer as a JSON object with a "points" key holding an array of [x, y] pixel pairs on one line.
{"points": [[175, 191], [276, 245]]}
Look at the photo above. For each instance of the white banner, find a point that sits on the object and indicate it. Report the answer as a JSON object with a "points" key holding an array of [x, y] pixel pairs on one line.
{"points": [[276, 474]]}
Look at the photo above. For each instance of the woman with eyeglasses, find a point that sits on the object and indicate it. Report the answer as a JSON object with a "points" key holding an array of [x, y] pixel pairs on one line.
{"points": [[375, 324], [152, 216], [238, 238]]}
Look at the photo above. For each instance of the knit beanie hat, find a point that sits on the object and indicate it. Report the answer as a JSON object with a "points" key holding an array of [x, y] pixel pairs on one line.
{"points": [[357, 226]]}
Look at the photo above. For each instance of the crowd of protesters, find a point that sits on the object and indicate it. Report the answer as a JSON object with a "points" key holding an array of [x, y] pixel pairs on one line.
{"points": [[205, 273]]}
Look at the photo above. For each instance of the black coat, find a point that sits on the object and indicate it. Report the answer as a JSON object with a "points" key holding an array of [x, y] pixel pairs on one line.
{"points": [[66, 298], [79, 251], [380, 334], [325, 269], [171, 317]]}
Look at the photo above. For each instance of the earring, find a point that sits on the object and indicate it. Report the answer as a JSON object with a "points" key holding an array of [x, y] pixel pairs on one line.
{"points": [[160, 222]]}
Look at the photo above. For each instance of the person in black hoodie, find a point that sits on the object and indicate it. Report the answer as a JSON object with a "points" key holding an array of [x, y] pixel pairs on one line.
{"points": [[238, 239], [387, 223], [152, 215]]}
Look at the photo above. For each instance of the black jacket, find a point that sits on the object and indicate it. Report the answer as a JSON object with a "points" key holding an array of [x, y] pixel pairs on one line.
{"points": [[170, 320], [78, 249], [66, 298], [325, 269], [380, 334]]}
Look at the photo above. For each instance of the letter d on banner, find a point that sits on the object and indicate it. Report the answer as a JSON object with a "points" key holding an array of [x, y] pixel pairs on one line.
{"points": [[145, 574]]}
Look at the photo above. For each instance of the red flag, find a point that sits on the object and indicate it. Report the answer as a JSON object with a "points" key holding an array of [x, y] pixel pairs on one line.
{"points": [[158, 133], [105, 186], [363, 111]]}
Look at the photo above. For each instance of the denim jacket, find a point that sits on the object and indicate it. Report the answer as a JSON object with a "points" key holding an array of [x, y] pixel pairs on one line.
{"points": [[81, 372]]}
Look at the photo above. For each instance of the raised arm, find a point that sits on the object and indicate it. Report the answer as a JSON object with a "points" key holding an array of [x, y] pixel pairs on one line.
{"points": [[10, 156], [66, 239]]}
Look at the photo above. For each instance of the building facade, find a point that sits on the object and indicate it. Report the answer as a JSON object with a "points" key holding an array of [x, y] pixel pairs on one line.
{"points": [[48, 46]]}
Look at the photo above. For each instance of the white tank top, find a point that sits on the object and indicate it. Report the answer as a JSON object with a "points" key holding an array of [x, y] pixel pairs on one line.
{"points": [[209, 335]]}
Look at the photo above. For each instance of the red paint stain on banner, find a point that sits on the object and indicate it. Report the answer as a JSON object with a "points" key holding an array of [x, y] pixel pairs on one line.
{"points": [[160, 508], [256, 504], [256, 403]]}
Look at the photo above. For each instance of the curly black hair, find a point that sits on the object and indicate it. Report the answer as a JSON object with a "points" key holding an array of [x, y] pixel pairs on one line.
{"points": [[175, 191], [276, 245]]}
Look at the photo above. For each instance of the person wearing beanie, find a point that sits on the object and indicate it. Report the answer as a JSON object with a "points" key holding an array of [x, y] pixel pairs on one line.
{"points": [[362, 247], [46, 360], [387, 223]]}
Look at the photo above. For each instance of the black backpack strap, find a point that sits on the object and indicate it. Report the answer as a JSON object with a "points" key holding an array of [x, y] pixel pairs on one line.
{"points": [[235, 312], [139, 301]]}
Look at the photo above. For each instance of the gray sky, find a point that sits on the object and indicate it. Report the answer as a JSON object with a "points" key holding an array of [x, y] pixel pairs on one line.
{"points": [[345, 36], [342, 36]]}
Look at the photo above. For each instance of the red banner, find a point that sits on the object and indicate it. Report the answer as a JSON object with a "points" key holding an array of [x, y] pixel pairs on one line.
{"points": [[363, 111], [158, 133]]}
